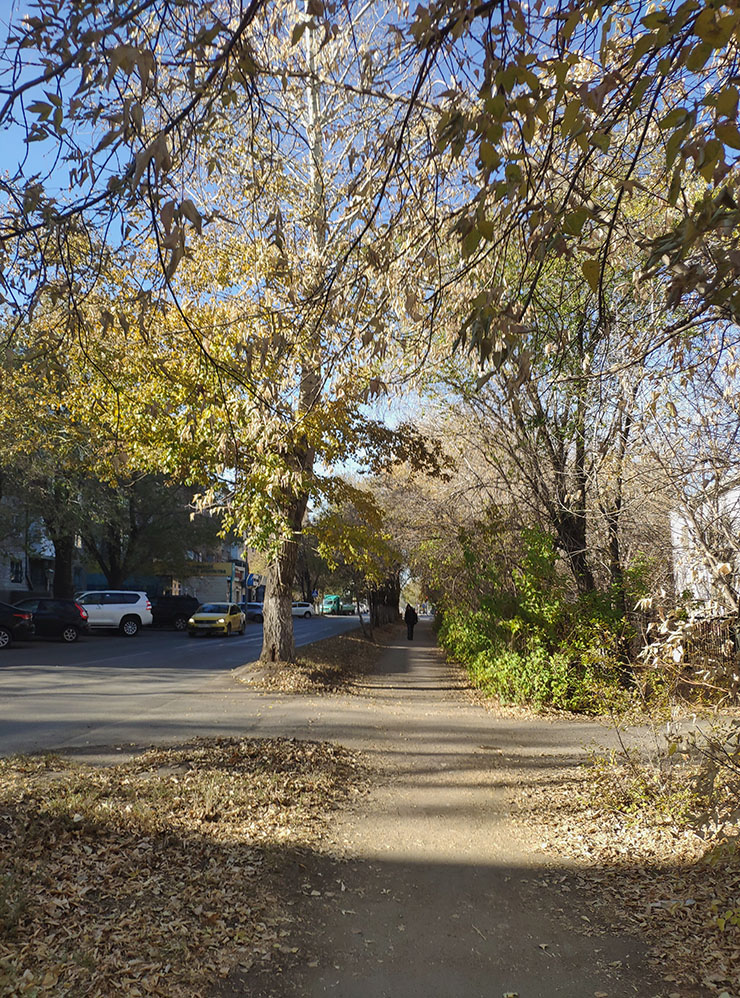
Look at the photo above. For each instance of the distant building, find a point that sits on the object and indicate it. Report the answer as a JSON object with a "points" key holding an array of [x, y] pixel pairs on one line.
{"points": [[26, 554], [210, 576], [706, 551]]}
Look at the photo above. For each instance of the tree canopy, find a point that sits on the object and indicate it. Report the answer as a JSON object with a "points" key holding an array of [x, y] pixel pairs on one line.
{"points": [[234, 225]]}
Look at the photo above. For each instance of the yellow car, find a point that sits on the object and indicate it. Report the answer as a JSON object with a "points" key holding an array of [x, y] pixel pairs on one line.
{"points": [[217, 618]]}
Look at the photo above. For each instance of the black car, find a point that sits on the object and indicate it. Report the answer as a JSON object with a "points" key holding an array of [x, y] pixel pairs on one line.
{"points": [[56, 618], [173, 611], [15, 624]]}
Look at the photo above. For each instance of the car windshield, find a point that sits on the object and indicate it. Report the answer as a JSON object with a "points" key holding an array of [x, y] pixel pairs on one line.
{"points": [[214, 608]]}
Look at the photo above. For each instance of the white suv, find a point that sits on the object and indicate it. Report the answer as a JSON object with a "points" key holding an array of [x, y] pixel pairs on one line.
{"points": [[127, 611], [301, 609]]}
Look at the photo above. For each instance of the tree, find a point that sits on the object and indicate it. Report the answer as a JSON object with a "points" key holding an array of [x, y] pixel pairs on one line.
{"points": [[695, 444], [557, 94], [277, 321], [311, 569], [47, 455], [551, 120], [536, 105], [354, 539], [143, 522]]}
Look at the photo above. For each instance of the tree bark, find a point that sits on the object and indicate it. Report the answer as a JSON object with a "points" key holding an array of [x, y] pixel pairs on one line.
{"points": [[571, 534], [64, 549], [278, 643], [384, 601]]}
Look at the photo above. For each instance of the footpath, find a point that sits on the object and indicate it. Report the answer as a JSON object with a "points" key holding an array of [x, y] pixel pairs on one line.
{"points": [[437, 892]]}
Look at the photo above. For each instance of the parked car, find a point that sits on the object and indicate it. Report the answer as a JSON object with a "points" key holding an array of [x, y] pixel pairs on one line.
{"points": [[125, 610], [15, 624], [173, 611], [56, 618], [217, 618], [302, 609], [254, 611]]}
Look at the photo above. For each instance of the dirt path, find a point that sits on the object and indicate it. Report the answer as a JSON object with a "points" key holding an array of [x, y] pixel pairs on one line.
{"points": [[439, 894]]}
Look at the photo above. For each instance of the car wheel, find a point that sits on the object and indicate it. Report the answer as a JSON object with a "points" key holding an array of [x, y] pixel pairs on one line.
{"points": [[70, 634], [228, 630], [5, 637], [130, 627], [307, 614], [180, 623]]}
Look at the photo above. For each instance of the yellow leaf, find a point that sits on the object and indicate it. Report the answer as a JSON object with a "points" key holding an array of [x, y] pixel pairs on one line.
{"points": [[570, 116], [486, 228], [591, 270], [488, 155], [727, 101], [729, 134]]}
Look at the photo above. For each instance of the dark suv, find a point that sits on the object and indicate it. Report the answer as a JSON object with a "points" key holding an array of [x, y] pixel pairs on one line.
{"points": [[15, 624], [56, 618], [173, 611]]}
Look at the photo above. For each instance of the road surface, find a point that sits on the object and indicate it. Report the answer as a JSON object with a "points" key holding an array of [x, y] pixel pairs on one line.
{"points": [[53, 695]]}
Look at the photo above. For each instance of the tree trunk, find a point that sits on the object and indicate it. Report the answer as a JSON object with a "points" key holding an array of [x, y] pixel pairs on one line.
{"points": [[384, 601], [613, 516], [367, 629], [278, 643], [571, 532], [616, 571], [64, 549], [108, 553]]}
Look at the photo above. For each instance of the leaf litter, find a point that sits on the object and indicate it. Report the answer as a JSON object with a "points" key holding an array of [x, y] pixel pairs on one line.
{"points": [[333, 665], [153, 877], [643, 873]]}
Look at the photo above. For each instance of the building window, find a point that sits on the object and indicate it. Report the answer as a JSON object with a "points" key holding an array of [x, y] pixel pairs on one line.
{"points": [[16, 570]]}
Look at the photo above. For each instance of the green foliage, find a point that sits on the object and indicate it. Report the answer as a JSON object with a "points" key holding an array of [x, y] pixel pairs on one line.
{"points": [[530, 642], [584, 682]]}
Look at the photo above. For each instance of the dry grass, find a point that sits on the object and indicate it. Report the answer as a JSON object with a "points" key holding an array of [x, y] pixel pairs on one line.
{"points": [[151, 878]]}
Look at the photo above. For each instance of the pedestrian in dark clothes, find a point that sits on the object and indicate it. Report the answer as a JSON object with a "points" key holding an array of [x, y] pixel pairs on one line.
{"points": [[411, 617]]}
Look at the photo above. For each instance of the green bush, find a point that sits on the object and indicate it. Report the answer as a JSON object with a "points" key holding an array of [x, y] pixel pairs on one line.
{"points": [[526, 640], [519, 665]]}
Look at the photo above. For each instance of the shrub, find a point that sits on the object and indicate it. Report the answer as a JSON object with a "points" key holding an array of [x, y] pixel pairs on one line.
{"points": [[517, 662], [526, 639]]}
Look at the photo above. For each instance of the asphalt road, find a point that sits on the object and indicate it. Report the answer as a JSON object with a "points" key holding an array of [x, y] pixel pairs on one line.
{"points": [[53, 694]]}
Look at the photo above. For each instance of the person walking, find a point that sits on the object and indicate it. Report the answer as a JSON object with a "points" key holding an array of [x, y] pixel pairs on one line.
{"points": [[411, 617]]}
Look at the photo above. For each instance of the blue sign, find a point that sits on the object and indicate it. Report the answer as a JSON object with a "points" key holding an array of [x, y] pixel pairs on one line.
{"points": [[315, 593]]}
